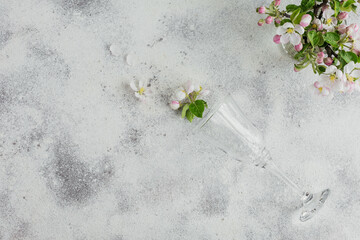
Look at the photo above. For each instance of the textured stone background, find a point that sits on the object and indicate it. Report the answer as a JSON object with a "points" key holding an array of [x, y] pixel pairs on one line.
{"points": [[81, 158]]}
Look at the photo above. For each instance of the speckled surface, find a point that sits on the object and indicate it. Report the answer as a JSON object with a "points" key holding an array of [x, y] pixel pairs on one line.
{"points": [[82, 158]]}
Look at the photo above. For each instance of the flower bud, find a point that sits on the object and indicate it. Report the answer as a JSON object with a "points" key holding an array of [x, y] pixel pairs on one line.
{"points": [[269, 19], [276, 39], [305, 20], [320, 58], [296, 69], [299, 47], [342, 28], [261, 22], [261, 10], [277, 2], [343, 15], [328, 61], [174, 105], [278, 20]]}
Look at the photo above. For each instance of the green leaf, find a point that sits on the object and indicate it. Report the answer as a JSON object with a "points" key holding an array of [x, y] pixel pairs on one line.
{"points": [[313, 37], [291, 7], [205, 103], [307, 4], [197, 108], [284, 21], [337, 8], [295, 14], [349, 56], [321, 69], [321, 39], [332, 38], [190, 116], [184, 110], [348, 3]]}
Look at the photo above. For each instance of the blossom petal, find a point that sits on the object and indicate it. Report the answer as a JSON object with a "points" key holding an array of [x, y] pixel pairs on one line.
{"points": [[285, 38], [280, 30], [331, 69], [288, 25], [295, 39], [299, 29], [133, 86], [349, 67], [355, 74], [141, 83]]}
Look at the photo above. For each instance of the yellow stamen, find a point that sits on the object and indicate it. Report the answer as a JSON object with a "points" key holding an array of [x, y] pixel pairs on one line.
{"points": [[290, 30], [332, 77], [314, 26], [349, 78], [328, 21], [320, 89], [141, 91]]}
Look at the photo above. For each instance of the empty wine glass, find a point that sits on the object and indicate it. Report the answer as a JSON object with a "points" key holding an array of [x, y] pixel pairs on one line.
{"points": [[227, 127]]}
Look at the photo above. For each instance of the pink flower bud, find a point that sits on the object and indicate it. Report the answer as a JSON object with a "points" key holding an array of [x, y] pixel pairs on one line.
{"points": [[261, 10], [316, 84], [320, 58], [277, 2], [299, 47], [305, 20], [321, 55], [261, 22], [342, 28], [269, 19], [278, 20], [343, 15], [174, 105], [296, 70], [328, 61], [276, 39]]}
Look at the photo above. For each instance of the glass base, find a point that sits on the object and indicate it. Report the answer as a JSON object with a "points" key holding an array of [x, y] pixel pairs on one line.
{"points": [[312, 203]]}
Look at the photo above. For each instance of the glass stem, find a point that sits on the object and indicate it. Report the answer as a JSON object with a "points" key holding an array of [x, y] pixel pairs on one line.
{"points": [[273, 169]]}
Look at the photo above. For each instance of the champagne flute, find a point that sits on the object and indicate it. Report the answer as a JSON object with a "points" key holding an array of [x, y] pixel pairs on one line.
{"points": [[227, 128]]}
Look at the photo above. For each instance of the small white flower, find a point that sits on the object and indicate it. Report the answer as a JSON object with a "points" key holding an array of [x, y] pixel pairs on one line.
{"points": [[351, 74], [180, 94], [141, 90], [330, 21], [291, 33], [189, 87], [322, 90], [317, 24], [333, 79]]}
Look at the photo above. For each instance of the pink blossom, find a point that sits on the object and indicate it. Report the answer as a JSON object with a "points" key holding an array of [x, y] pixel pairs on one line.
{"points": [[320, 58], [269, 19], [174, 105], [261, 10], [305, 20], [278, 20], [299, 47], [276, 39], [296, 69], [261, 22], [343, 15], [328, 61], [321, 89], [277, 2], [342, 28]]}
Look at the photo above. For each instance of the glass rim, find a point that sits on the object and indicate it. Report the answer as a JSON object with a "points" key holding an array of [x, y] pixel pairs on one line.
{"points": [[211, 112]]}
